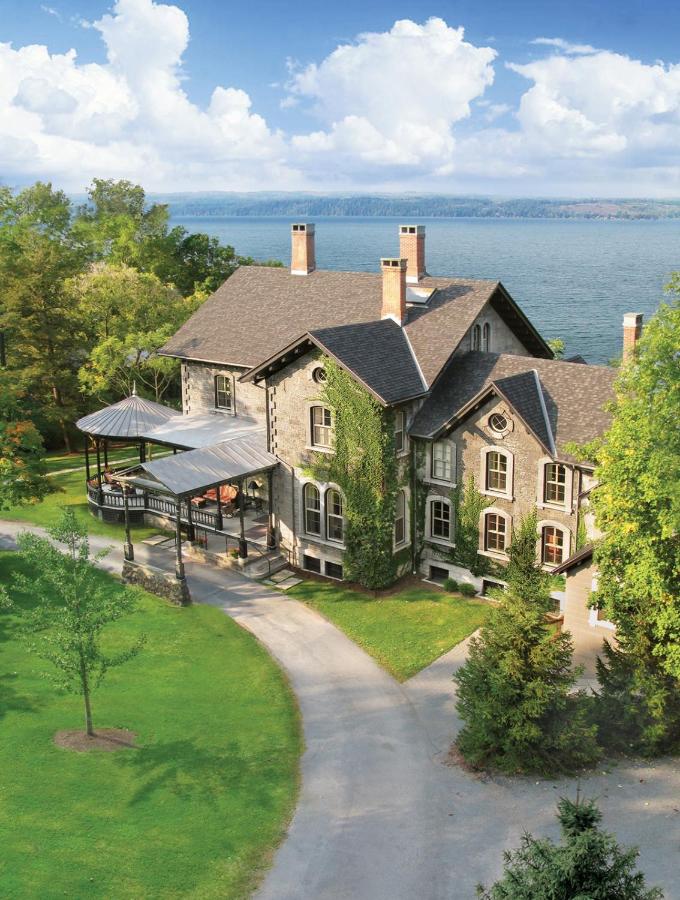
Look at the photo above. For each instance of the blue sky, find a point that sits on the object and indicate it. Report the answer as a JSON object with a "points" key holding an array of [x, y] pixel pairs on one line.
{"points": [[521, 98]]}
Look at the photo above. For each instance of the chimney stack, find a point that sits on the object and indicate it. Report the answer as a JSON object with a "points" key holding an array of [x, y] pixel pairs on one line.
{"points": [[303, 256], [394, 289], [412, 248], [632, 329]]}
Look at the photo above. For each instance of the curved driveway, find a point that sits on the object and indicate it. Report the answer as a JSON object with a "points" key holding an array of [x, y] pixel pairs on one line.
{"points": [[380, 816]]}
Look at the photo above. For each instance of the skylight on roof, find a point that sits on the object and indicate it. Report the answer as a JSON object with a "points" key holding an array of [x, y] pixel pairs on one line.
{"points": [[418, 295]]}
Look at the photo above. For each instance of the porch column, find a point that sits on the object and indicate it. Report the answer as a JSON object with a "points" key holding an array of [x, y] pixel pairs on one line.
{"points": [[191, 534], [242, 543], [142, 451], [179, 565], [128, 549], [100, 493], [219, 521], [87, 458], [106, 453], [271, 534]]}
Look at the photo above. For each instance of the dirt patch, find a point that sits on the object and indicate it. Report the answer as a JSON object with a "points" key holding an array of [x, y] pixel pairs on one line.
{"points": [[107, 739], [454, 759]]}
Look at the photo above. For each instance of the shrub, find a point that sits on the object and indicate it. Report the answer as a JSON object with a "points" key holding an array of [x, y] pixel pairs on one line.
{"points": [[467, 590], [451, 585], [588, 863]]}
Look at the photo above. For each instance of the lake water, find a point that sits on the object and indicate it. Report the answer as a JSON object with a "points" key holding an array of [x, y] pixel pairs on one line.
{"points": [[574, 279]]}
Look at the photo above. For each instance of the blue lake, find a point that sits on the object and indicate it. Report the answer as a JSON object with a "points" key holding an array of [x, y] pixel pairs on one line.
{"points": [[574, 279]]}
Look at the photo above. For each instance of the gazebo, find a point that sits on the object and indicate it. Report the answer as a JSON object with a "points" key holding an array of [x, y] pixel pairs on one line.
{"points": [[124, 422]]}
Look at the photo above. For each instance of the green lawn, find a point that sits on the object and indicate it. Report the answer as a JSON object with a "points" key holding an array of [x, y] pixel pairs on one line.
{"points": [[70, 491], [404, 631], [57, 460], [195, 811]]}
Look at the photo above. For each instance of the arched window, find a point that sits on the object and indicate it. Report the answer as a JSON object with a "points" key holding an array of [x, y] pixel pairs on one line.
{"points": [[321, 427], [476, 337], [223, 392], [440, 520], [554, 483], [312, 508], [335, 524], [400, 519], [495, 532], [496, 472], [552, 545], [486, 337]]}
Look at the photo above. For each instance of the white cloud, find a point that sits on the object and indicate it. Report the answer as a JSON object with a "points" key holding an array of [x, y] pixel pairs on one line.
{"points": [[392, 98], [129, 117], [566, 46]]}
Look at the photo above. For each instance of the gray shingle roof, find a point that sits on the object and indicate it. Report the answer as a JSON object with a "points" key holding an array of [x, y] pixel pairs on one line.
{"points": [[575, 394], [128, 419], [524, 393], [259, 310]]}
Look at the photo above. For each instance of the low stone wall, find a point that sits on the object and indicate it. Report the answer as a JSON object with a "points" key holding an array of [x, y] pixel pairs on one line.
{"points": [[156, 581]]}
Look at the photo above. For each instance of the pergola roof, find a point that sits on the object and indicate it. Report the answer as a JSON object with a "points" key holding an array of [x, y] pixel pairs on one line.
{"points": [[195, 471], [202, 430], [128, 419]]}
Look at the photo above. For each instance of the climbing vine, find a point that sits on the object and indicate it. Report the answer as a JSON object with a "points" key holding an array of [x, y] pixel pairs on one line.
{"points": [[469, 504], [364, 466]]}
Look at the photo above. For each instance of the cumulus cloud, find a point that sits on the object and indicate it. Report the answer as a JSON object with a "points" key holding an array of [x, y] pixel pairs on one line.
{"points": [[566, 46], [130, 117]]}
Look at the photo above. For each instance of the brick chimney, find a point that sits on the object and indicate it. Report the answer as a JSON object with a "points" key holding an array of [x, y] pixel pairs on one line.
{"points": [[632, 329], [303, 256], [394, 289], [412, 248]]}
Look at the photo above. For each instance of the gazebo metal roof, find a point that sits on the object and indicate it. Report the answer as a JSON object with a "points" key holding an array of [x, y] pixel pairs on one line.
{"points": [[129, 419], [194, 471], [202, 430]]}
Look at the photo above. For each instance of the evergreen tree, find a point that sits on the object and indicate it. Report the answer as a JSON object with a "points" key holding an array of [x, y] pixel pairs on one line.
{"points": [[587, 865]]}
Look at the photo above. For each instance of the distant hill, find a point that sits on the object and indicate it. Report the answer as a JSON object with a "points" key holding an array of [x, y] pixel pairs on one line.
{"points": [[411, 206]]}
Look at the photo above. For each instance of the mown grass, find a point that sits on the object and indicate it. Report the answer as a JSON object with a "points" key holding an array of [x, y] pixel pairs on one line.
{"points": [[404, 631], [194, 811]]}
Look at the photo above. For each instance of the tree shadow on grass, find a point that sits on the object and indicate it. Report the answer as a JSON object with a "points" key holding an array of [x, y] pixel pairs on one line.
{"points": [[11, 700], [186, 770]]}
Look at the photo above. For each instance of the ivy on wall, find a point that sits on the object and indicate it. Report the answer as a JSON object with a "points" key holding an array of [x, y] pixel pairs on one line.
{"points": [[469, 505], [364, 466]]}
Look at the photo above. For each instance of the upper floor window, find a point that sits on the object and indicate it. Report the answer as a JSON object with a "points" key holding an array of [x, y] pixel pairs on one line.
{"points": [[552, 545], [495, 532], [400, 519], [223, 398], [322, 427], [399, 431], [554, 483], [335, 523], [476, 337], [312, 508], [442, 460], [496, 471], [440, 520], [486, 337]]}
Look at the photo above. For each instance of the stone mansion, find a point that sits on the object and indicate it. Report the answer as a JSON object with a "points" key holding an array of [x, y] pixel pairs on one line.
{"points": [[471, 388]]}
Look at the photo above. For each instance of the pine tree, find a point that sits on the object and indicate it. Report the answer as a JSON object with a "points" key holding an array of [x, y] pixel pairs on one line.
{"points": [[588, 864]]}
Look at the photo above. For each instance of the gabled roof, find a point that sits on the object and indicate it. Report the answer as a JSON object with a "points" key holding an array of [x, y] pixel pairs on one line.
{"points": [[525, 394], [575, 395], [585, 554], [128, 419], [260, 309], [377, 354]]}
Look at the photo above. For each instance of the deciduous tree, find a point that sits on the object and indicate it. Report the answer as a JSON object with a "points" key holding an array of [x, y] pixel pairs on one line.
{"points": [[22, 454]]}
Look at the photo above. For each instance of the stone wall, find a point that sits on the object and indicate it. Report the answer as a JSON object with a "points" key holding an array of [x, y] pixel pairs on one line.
{"points": [[503, 339], [156, 581], [198, 391]]}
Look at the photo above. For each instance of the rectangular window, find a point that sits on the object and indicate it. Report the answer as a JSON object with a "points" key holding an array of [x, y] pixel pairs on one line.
{"points": [[553, 545], [312, 504], [334, 570], [555, 482], [223, 391], [442, 460], [400, 519], [496, 472], [399, 431], [311, 564], [440, 519], [438, 574], [334, 516], [488, 586], [494, 533], [322, 427]]}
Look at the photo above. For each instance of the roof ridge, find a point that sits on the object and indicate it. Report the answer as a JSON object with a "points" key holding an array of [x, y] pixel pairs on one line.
{"points": [[544, 410]]}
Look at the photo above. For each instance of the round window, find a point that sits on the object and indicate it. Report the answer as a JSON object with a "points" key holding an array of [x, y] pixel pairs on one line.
{"points": [[498, 423], [319, 375]]}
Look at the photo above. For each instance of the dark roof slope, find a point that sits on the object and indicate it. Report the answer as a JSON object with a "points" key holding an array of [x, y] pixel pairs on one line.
{"points": [[261, 309], [583, 555], [378, 354], [575, 395], [524, 393]]}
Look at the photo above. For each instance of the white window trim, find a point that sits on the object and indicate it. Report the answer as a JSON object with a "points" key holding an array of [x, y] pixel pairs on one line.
{"points": [[405, 448], [331, 541], [310, 445], [407, 523], [429, 477], [428, 522], [223, 410], [567, 506], [494, 554], [303, 510], [566, 533], [510, 480], [592, 618], [323, 487]]}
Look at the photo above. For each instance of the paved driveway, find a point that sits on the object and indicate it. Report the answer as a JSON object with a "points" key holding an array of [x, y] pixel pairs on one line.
{"points": [[380, 816]]}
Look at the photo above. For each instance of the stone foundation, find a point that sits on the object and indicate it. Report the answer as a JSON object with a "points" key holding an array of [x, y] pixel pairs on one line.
{"points": [[158, 582]]}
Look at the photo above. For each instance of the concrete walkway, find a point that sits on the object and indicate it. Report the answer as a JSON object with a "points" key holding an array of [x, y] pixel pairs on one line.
{"points": [[380, 815]]}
